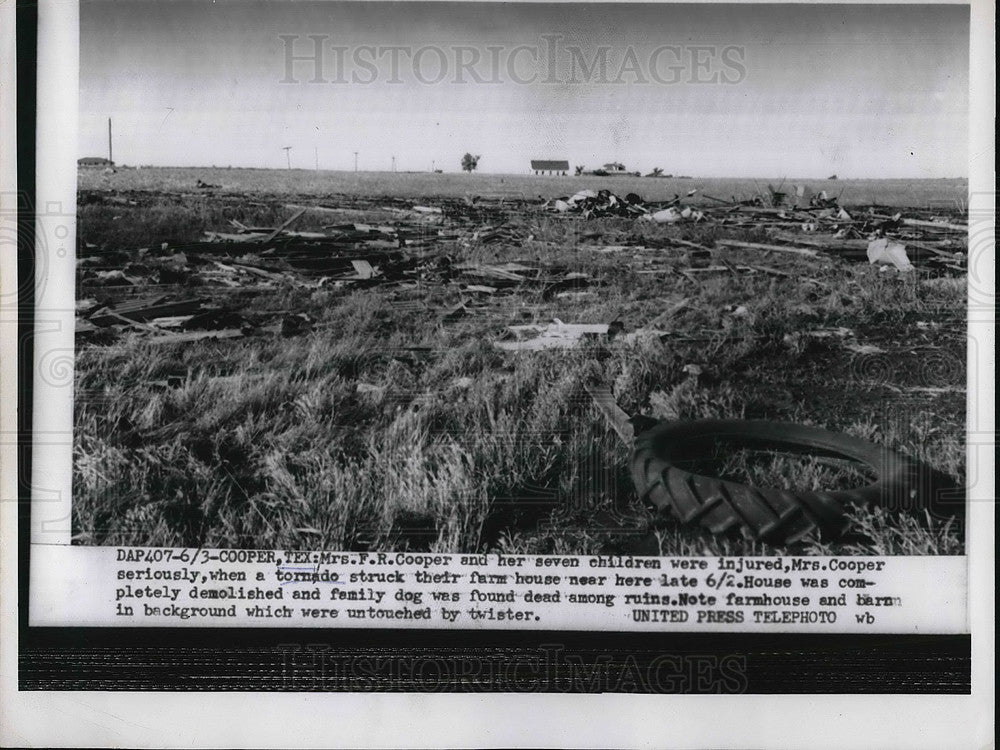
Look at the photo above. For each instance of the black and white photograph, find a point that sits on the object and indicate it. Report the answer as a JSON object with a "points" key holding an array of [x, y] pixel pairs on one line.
{"points": [[558, 279], [448, 374]]}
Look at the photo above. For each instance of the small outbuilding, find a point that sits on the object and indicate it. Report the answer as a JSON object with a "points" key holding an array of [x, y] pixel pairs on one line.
{"points": [[94, 161]]}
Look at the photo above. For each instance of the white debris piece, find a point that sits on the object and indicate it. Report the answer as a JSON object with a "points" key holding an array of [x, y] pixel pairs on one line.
{"points": [[556, 335], [582, 196], [884, 251], [666, 216]]}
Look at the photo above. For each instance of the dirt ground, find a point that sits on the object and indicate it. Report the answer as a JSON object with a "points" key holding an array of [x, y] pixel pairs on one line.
{"points": [[357, 385]]}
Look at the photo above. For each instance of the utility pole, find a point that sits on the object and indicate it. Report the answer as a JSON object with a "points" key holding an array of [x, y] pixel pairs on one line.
{"points": [[355, 161], [432, 165], [288, 156], [393, 163], [109, 140]]}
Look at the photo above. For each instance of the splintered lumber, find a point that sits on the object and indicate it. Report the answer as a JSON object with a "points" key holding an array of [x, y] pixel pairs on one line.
{"points": [[298, 207], [173, 321], [309, 235], [776, 248], [605, 402], [184, 338], [264, 274], [244, 228], [286, 223], [686, 243], [699, 269], [925, 223], [230, 237], [142, 310], [761, 210], [132, 323], [935, 225], [490, 272], [833, 244], [931, 249]]}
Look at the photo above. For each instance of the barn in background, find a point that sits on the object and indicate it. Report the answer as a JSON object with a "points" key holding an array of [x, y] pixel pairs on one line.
{"points": [[543, 166]]}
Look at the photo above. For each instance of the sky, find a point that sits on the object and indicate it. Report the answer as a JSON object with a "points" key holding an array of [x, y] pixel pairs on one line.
{"points": [[701, 90]]}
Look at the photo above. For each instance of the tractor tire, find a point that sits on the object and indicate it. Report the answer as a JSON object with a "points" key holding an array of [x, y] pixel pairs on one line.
{"points": [[769, 514]]}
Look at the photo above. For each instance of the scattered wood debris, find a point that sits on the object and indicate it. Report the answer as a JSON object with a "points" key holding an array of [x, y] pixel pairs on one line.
{"points": [[820, 222], [167, 292]]}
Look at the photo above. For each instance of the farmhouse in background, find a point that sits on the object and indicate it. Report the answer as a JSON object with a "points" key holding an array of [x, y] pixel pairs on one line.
{"points": [[543, 166], [614, 167], [95, 161]]}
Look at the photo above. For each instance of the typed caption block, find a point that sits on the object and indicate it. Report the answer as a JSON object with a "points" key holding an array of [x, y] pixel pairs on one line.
{"points": [[98, 586]]}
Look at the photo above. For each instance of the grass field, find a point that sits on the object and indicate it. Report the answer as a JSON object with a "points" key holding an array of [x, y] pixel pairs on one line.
{"points": [[902, 193], [389, 425]]}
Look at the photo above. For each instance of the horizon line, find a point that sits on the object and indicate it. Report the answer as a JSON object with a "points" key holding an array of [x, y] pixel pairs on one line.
{"points": [[527, 173]]}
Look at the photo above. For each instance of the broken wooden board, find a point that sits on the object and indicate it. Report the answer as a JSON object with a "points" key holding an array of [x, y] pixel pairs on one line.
{"points": [[230, 237], [923, 223], [807, 252], [830, 244], [605, 402], [143, 310], [172, 321], [493, 272], [185, 338], [286, 223], [264, 274]]}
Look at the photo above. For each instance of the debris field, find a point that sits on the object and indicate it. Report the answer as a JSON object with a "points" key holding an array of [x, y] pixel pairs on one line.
{"points": [[423, 244], [249, 368]]}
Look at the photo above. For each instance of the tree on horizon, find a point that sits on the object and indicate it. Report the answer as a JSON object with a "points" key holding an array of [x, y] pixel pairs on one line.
{"points": [[470, 162]]}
